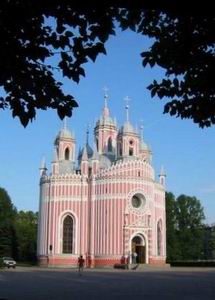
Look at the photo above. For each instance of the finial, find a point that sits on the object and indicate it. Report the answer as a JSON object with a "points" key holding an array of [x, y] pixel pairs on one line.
{"points": [[43, 163], [141, 129], [162, 172], [105, 89], [162, 176], [127, 99], [43, 168], [65, 123], [87, 134]]}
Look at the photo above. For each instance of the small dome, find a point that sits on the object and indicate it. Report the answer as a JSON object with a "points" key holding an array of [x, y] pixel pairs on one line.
{"points": [[105, 121], [127, 127], [143, 146], [65, 133]]}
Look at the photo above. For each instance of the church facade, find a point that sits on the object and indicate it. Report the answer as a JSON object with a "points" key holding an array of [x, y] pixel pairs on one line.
{"points": [[104, 205]]}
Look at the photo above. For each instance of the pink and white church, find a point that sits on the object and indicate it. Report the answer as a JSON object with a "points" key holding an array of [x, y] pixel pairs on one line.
{"points": [[104, 205]]}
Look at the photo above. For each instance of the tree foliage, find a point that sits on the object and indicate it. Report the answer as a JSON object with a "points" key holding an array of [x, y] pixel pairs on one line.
{"points": [[18, 230], [183, 45], [171, 237], [26, 230], [8, 242], [28, 41], [209, 242], [185, 228], [190, 217]]}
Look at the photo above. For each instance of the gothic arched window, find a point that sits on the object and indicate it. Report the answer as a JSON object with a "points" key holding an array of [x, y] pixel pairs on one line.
{"points": [[68, 235], [67, 154], [110, 147], [159, 238]]}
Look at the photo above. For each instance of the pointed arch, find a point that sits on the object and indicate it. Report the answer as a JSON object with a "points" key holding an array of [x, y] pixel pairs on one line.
{"points": [[110, 145], [143, 241], [68, 234], [66, 154]]}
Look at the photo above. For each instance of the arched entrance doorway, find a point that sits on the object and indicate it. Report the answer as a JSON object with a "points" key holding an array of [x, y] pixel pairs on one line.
{"points": [[138, 246]]}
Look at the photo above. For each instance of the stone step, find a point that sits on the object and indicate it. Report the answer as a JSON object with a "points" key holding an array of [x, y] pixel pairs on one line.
{"points": [[148, 267]]}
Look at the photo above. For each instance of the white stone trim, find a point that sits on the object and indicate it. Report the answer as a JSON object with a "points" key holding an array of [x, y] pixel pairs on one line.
{"points": [[61, 218], [142, 235]]}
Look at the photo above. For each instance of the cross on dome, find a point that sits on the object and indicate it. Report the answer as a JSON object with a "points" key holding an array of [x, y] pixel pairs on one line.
{"points": [[127, 99], [141, 128], [106, 96], [65, 123], [87, 133]]}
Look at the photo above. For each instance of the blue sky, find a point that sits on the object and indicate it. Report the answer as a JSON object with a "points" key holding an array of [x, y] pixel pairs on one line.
{"points": [[185, 150]]}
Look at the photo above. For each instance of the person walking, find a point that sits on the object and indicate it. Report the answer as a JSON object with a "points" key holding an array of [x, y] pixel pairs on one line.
{"points": [[135, 257], [80, 265]]}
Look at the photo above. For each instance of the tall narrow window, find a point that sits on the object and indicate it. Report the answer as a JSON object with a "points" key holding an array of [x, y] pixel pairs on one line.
{"points": [[67, 154], [68, 235], [131, 151], [159, 238], [110, 147], [120, 148], [97, 144]]}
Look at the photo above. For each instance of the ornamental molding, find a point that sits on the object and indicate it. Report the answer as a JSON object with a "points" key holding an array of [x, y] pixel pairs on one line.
{"points": [[144, 207], [140, 223]]}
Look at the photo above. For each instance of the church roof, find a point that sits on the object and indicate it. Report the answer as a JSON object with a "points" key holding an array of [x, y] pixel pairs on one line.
{"points": [[65, 133], [127, 128], [105, 120], [104, 161], [143, 146], [86, 152]]}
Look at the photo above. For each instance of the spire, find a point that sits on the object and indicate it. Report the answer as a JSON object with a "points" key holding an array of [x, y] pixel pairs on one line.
{"points": [[162, 172], [162, 176], [106, 97], [84, 154], [43, 168], [105, 89], [43, 163], [87, 134], [141, 130], [65, 123], [127, 99]]}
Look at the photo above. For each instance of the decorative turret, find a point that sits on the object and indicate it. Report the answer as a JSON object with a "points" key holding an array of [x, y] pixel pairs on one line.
{"points": [[106, 131], [43, 168], [64, 153], [162, 176], [128, 139], [85, 155], [55, 164], [145, 151]]}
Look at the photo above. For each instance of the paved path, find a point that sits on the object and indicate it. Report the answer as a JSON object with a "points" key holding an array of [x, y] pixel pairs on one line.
{"points": [[63, 284]]}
